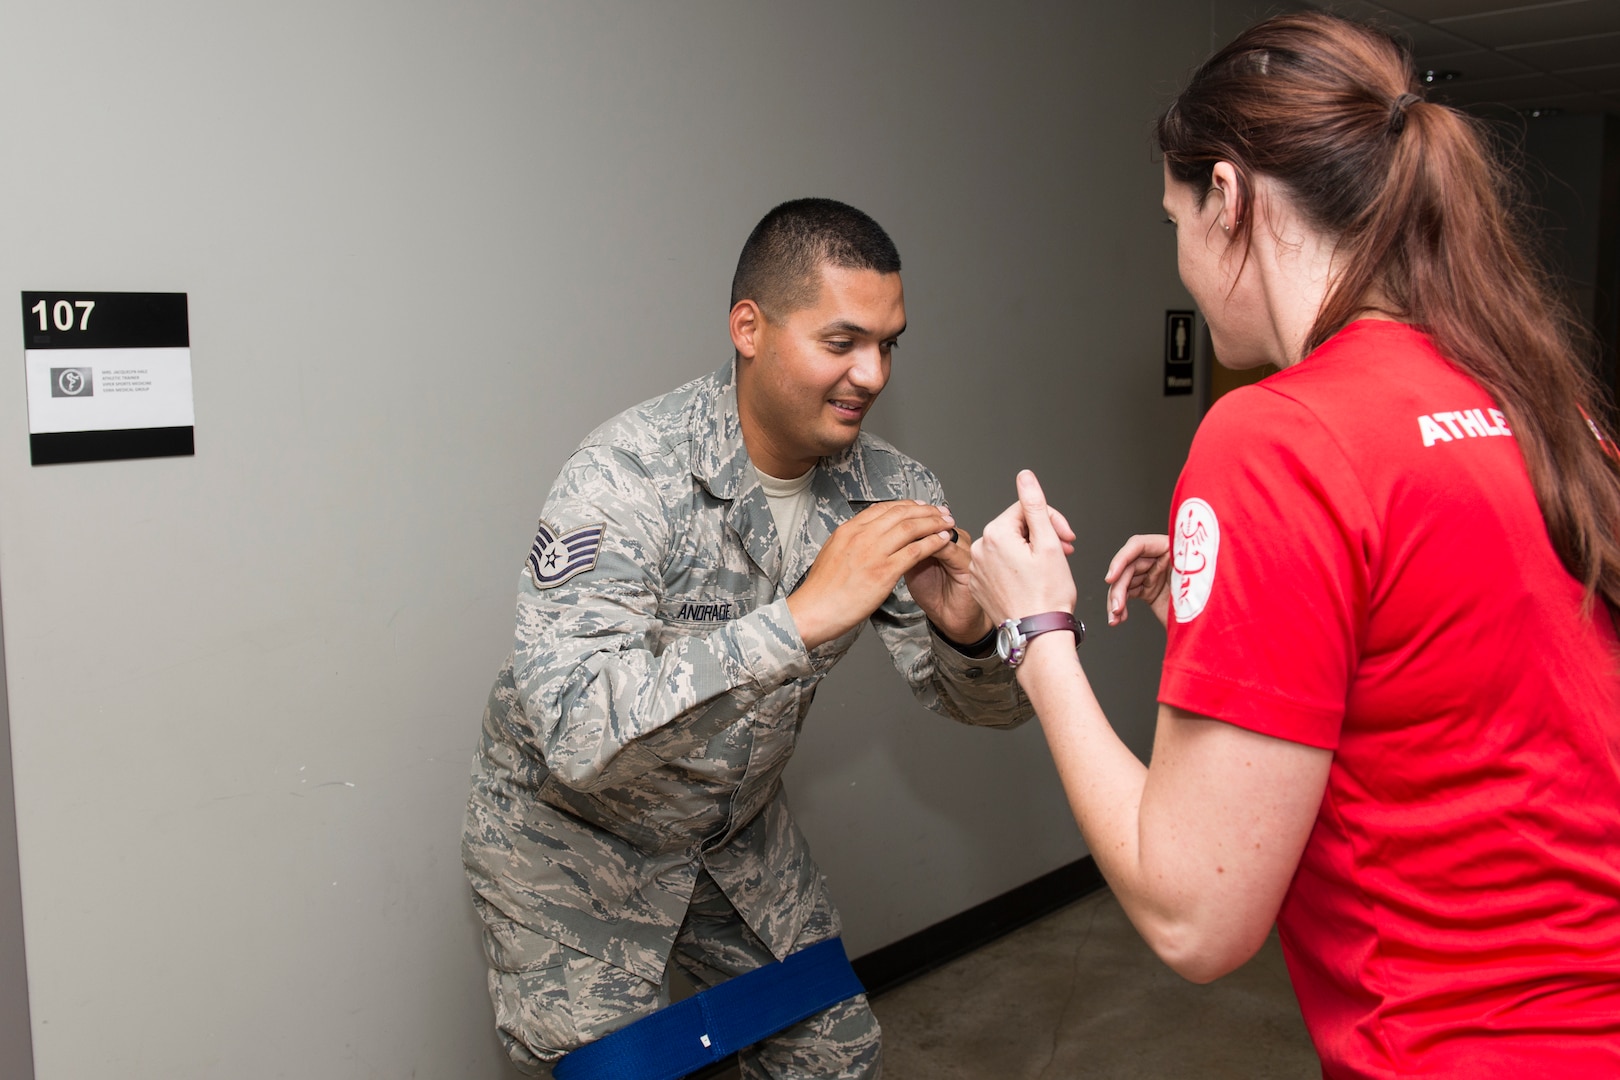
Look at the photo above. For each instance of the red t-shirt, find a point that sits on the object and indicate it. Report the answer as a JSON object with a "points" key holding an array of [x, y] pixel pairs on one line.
{"points": [[1360, 565]]}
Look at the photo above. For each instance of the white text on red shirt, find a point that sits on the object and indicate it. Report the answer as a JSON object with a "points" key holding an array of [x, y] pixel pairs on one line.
{"points": [[1464, 424]]}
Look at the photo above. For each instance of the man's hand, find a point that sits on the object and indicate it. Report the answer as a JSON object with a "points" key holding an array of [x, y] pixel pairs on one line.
{"points": [[1140, 569], [861, 564], [939, 584]]}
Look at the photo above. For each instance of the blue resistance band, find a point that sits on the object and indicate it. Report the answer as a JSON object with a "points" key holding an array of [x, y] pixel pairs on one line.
{"points": [[682, 1038]]}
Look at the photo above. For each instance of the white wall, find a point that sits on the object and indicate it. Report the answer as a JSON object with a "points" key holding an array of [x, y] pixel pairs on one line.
{"points": [[427, 247]]}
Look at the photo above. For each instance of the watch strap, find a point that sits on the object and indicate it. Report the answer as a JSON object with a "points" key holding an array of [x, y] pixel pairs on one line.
{"points": [[1047, 621], [1016, 634]]}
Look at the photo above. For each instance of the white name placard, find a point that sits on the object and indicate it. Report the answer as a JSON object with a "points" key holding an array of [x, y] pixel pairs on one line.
{"points": [[109, 376]]}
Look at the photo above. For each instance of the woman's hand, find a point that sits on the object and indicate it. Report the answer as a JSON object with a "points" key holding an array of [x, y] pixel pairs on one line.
{"points": [[1140, 569], [1019, 564]]}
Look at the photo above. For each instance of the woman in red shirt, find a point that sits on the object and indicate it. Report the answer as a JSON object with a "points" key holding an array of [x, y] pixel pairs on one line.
{"points": [[1389, 716]]}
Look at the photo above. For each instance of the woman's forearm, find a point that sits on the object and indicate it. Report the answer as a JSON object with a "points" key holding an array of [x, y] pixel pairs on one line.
{"points": [[1102, 779], [1199, 867], [1200, 846]]}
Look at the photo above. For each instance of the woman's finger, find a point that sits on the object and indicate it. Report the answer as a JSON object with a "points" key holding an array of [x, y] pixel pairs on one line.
{"points": [[1147, 547], [1037, 515], [1060, 525]]}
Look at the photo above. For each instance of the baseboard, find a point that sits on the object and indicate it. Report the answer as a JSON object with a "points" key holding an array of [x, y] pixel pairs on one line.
{"points": [[917, 954]]}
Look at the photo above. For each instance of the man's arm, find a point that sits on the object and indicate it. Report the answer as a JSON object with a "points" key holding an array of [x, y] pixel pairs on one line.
{"points": [[599, 703], [971, 690], [928, 620], [862, 562]]}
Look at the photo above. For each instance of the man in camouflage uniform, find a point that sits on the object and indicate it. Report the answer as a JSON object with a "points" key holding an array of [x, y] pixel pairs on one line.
{"points": [[703, 560]]}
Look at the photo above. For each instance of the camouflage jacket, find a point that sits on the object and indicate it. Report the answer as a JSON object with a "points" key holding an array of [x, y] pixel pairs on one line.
{"points": [[640, 728]]}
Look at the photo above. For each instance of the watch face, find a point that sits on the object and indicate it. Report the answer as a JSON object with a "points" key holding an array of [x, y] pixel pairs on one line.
{"points": [[1007, 644]]}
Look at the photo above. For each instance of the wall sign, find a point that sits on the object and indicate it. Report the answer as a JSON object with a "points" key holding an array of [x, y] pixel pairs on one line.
{"points": [[109, 376], [1178, 353]]}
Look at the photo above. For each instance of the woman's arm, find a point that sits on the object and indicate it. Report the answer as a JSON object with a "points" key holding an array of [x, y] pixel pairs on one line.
{"points": [[1201, 844]]}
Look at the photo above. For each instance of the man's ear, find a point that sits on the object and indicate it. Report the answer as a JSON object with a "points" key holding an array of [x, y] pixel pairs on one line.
{"points": [[746, 320]]}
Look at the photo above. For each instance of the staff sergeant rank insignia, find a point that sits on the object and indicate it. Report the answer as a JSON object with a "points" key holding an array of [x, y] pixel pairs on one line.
{"points": [[554, 559]]}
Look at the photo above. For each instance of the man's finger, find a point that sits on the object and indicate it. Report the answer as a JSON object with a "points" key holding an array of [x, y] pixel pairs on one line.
{"points": [[954, 555], [892, 525], [933, 545], [907, 528], [897, 508]]}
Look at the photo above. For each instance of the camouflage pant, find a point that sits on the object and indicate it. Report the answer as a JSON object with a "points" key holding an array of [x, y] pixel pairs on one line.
{"points": [[550, 999]]}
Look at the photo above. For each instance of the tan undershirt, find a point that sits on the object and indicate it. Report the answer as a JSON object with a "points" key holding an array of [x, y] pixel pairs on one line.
{"points": [[790, 502]]}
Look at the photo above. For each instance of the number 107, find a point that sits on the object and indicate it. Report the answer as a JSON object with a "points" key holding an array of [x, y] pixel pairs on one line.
{"points": [[62, 314]]}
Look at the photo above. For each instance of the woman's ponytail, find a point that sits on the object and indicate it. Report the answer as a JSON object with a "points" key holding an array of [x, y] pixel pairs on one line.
{"points": [[1428, 231]]}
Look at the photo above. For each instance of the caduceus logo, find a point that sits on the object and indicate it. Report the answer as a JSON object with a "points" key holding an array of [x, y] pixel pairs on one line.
{"points": [[71, 382], [1193, 548]]}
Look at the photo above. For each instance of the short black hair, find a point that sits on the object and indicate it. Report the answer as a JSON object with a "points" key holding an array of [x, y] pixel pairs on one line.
{"points": [[780, 265]]}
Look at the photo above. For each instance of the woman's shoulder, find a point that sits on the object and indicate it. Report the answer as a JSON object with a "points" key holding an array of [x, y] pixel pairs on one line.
{"points": [[1366, 360], [1377, 402], [1373, 378]]}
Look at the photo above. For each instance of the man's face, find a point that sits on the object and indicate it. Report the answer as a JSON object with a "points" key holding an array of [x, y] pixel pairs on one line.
{"points": [[806, 380]]}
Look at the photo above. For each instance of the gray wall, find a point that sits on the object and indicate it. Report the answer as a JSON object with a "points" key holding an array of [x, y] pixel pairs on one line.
{"points": [[16, 1042], [427, 247]]}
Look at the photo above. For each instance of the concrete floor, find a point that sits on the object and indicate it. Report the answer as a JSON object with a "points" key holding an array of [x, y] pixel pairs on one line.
{"points": [[1078, 994]]}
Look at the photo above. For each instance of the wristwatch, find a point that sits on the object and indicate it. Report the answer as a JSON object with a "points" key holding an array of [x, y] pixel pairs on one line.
{"points": [[1012, 637]]}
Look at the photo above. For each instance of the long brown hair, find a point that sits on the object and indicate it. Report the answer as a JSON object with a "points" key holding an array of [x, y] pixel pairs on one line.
{"points": [[1427, 230]]}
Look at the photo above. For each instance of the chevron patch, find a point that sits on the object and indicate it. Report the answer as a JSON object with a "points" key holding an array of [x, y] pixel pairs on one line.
{"points": [[556, 557]]}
